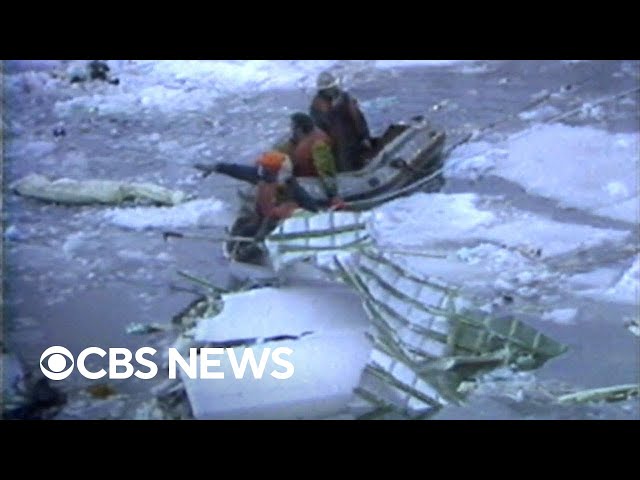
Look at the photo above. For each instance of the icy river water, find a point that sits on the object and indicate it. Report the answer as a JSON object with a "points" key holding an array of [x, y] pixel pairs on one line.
{"points": [[77, 276]]}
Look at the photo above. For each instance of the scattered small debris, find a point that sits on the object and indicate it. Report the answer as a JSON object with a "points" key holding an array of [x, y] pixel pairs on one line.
{"points": [[633, 325], [142, 329], [98, 70], [59, 132], [94, 70], [202, 307], [102, 391], [607, 394]]}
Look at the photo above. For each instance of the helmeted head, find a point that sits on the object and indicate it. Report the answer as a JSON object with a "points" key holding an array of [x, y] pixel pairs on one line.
{"points": [[327, 84], [275, 166], [326, 80]]}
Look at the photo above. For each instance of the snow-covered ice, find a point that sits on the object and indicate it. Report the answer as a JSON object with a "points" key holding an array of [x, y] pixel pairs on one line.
{"points": [[599, 278], [425, 220], [436, 220], [543, 160], [473, 160], [540, 114], [627, 289], [581, 167], [484, 244], [193, 85], [561, 316], [196, 213]]}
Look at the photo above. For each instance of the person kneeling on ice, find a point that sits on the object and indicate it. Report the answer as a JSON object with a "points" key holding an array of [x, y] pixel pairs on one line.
{"points": [[278, 195]]}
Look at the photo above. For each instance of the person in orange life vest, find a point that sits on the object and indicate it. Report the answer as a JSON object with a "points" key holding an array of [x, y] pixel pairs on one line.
{"points": [[310, 150], [278, 193], [337, 113]]}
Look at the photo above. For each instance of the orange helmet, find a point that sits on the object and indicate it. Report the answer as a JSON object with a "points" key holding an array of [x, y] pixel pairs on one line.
{"points": [[272, 161]]}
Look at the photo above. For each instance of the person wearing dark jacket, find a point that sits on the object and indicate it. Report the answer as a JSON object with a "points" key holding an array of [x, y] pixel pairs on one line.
{"points": [[311, 152], [337, 113]]}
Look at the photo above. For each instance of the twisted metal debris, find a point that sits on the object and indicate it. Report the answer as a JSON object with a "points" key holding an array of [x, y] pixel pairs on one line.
{"points": [[427, 337]]}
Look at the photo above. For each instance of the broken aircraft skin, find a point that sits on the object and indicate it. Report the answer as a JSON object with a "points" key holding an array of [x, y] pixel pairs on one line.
{"points": [[426, 338], [66, 191]]}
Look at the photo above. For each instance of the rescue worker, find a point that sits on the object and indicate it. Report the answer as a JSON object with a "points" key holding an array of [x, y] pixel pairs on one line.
{"points": [[278, 195], [337, 113], [274, 198], [310, 150]]}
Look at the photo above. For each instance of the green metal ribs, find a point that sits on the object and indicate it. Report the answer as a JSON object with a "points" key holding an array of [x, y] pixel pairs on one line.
{"points": [[427, 338]]}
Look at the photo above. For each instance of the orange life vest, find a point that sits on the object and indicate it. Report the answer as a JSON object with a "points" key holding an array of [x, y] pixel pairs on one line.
{"points": [[303, 165]]}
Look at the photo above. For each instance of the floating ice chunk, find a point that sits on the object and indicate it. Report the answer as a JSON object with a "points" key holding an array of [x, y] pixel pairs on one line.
{"points": [[472, 161], [525, 277], [627, 289], [428, 221], [74, 242], [422, 219], [581, 167], [598, 278], [616, 189], [12, 232], [540, 114], [196, 213], [135, 255], [592, 112], [626, 210], [562, 316]]}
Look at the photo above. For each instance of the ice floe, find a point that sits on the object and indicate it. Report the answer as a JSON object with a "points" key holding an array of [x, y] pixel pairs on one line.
{"points": [[627, 289], [562, 316], [183, 85], [544, 160], [196, 213], [433, 220]]}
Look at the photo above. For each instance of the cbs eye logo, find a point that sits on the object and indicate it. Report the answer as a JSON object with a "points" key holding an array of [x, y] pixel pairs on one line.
{"points": [[56, 363]]}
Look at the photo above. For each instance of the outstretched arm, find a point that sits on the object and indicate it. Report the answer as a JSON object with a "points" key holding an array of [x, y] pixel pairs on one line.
{"points": [[301, 196], [246, 173]]}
